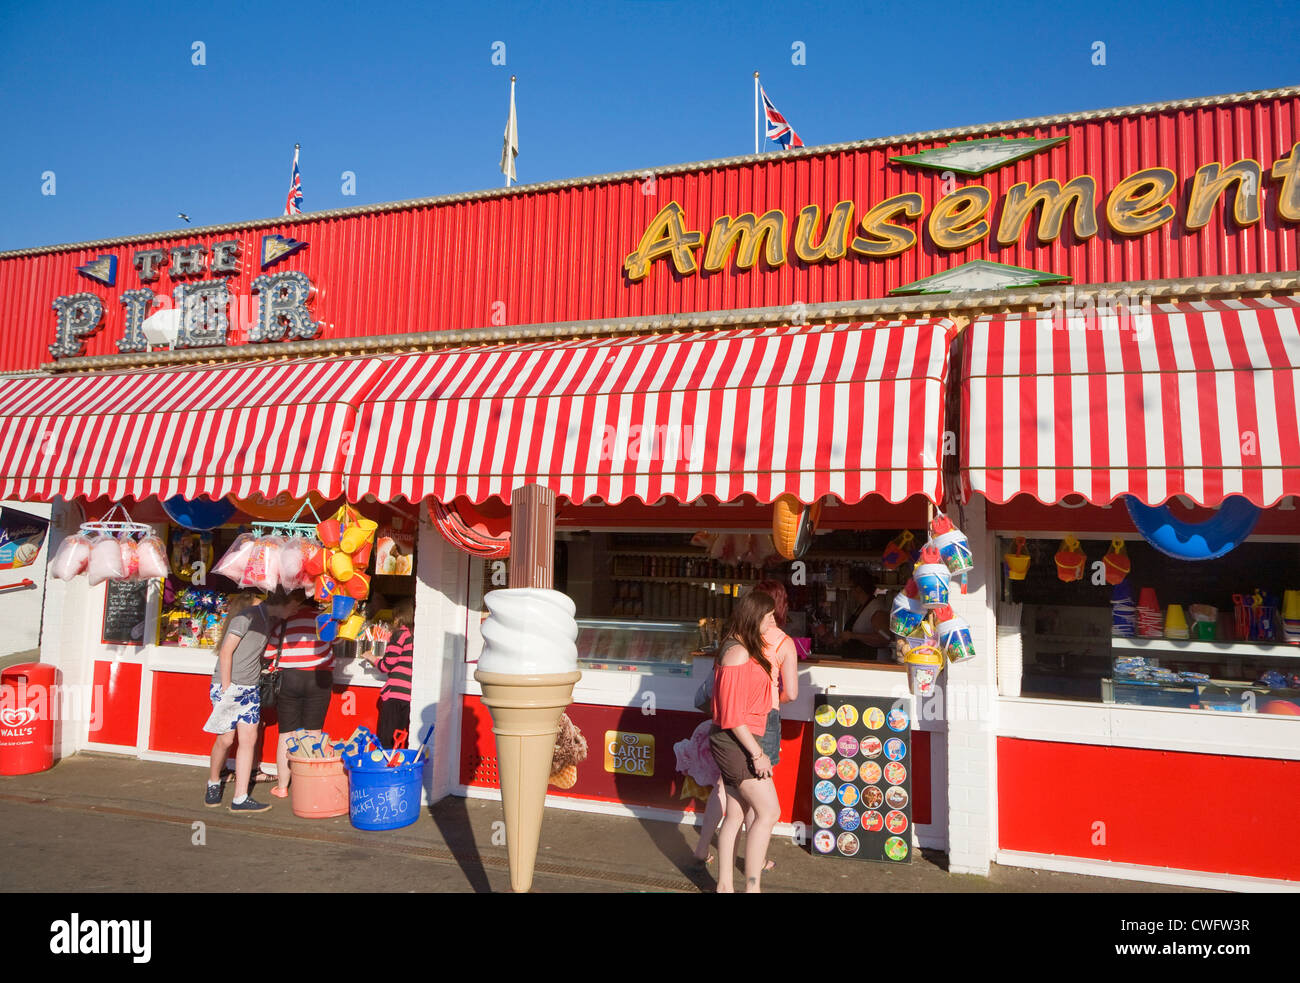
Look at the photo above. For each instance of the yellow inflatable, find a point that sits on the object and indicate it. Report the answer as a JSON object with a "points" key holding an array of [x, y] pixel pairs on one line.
{"points": [[793, 525]]}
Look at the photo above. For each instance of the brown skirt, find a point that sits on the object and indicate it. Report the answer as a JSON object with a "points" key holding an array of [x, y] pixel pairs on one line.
{"points": [[732, 759]]}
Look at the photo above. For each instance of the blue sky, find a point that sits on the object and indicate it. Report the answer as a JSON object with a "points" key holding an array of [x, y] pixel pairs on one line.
{"points": [[407, 97]]}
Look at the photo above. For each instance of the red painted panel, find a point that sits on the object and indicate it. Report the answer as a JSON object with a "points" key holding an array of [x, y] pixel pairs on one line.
{"points": [[178, 709], [793, 775], [1024, 513], [117, 694], [180, 706], [441, 266], [921, 777], [1203, 812]]}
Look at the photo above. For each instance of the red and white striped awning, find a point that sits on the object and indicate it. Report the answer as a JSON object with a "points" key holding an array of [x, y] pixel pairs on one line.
{"points": [[1201, 400], [268, 427], [848, 410]]}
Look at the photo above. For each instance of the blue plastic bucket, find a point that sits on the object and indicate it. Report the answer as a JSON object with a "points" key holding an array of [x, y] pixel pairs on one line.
{"points": [[384, 798]]}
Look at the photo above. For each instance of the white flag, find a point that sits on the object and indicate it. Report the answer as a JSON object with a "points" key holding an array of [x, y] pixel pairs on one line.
{"points": [[510, 146]]}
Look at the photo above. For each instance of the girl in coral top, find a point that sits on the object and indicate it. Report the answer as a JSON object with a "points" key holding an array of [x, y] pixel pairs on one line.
{"points": [[742, 699], [778, 649]]}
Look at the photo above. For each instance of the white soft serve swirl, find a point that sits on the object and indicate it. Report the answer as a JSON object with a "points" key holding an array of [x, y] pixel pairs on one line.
{"points": [[529, 631]]}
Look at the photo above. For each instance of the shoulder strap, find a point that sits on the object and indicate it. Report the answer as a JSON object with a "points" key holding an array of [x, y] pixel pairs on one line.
{"points": [[278, 634], [727, 645]]}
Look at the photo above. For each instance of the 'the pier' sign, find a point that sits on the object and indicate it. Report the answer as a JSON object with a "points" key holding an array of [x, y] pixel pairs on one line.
{"points": [[195, 314]]}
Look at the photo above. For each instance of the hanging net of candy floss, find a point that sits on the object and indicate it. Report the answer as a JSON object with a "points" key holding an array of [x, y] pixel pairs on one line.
{"points": [[112, 548]]}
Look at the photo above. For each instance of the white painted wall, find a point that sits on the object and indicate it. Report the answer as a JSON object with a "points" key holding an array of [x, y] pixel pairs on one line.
{"points": [[972, 707], [20, 608], [441, 592], [65, 634]]}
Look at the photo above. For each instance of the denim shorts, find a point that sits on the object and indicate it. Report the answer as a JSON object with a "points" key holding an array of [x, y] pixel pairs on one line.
{"points": [[770, 742]]}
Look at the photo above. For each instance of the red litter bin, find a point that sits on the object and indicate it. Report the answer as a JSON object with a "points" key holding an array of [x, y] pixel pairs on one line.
{"points": [[27, 713]]}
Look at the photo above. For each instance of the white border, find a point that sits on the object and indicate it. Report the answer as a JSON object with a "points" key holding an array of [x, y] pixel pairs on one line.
{"points": [[1246, 735], [1150, 875]]}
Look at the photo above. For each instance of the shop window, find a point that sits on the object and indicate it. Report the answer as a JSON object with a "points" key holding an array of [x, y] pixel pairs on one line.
{"points": [[1204, 635], [192, 614], [650, 601]]}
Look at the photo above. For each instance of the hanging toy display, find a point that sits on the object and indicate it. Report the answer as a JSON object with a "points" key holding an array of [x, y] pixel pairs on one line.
{"points": [[954, 636], [1116, 563], [924, 660], [1017, 561], [932, 578], [112, 548], [1070, 560], [932, 635], [953, 545], [347, 540], [907, 611], [899, 550]]}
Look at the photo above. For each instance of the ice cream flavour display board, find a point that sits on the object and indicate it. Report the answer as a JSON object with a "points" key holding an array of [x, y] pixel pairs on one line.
{"points": [[862, 778]]}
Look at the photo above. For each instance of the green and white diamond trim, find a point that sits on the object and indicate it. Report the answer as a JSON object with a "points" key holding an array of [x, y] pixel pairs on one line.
{"points": [[975, 157], [980, 274]]}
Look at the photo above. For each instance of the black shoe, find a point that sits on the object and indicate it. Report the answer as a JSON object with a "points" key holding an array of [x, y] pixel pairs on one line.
{"points": [[249, 804], [213, 795]]}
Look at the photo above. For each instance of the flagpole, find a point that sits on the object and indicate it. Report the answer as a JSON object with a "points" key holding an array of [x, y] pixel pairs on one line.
{"points": [[756, 112], [512, 113]]}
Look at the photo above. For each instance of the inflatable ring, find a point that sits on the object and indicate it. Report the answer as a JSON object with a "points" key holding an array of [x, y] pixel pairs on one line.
{"points": [[1223, 532], [482, 530], [201, 514], [278, 508], [793, 525]]}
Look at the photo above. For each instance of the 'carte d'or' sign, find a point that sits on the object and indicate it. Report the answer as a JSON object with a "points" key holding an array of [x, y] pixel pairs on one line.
{"points": [[1139, 204]]}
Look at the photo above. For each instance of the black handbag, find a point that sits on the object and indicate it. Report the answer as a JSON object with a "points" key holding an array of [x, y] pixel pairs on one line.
{"points": [[268, 687]]}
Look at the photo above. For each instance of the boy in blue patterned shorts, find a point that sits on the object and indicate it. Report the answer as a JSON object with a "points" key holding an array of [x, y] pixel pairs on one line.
{"points": [[236, 676]]}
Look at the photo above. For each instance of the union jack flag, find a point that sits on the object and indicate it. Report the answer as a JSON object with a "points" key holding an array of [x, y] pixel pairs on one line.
{"points": [[778, 130], [293, 204]]}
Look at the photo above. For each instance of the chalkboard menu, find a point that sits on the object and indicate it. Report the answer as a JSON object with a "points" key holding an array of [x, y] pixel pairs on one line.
{"points": [[862, 782], [124, 612]]}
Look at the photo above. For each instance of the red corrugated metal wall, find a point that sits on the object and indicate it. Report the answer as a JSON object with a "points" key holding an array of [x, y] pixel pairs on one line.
{"points": [[558, 255]]}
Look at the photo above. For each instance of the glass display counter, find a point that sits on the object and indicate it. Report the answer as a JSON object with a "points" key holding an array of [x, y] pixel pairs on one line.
{"points": [[660, 648], [1205, 675]]}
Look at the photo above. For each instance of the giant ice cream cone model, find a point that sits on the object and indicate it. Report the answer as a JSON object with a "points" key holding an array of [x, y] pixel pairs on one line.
{"points": [[527, 671]]}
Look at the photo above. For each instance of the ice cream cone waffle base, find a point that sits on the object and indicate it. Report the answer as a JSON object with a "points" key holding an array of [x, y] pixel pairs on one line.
{"points": [[566, 777]]}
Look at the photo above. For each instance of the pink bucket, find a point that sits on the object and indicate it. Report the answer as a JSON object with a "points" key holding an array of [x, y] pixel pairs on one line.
{"points": [[318, 788]]}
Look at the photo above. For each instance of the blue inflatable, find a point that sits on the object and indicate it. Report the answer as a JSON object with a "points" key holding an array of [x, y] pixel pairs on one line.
{"points": [[200, 513], [1223, 532]]}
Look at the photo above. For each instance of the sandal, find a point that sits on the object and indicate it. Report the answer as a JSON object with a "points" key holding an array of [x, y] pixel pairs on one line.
{"points": [[279, 793], [706, 862], [770, 865]]}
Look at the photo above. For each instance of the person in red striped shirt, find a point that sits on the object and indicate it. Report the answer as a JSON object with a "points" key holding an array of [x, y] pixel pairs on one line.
{"points": [[395, 697], [307, 664]]}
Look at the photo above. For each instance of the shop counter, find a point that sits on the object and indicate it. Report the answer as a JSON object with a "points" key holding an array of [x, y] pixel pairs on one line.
{"points": [[615, 688], [152, 700], [612, 707], [201, 662]]}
